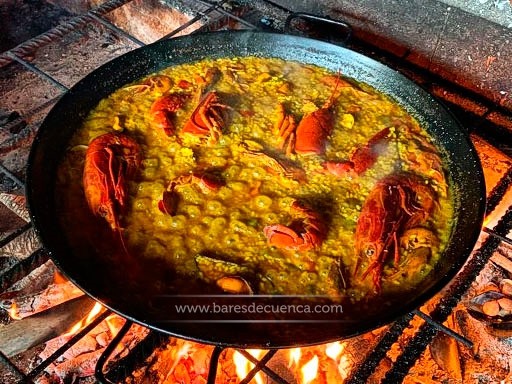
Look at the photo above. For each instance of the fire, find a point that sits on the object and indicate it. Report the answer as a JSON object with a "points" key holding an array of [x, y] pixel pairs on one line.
{"points": [[243, 366], [309, 370], [344, 366], [13, 311], [295, 354], [82, 323], [181, 353], [114, 323], [319, 356], [334, 350]]}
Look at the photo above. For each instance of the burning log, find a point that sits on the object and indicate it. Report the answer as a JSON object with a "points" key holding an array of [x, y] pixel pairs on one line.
{"points": [[502, 261], [36, 281], [80, 359], [80, 366], [16, 203], [53, 295], [21, 335], [22, 246]]}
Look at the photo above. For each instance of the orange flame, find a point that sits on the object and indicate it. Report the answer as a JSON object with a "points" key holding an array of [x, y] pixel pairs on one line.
{"points": [[82, 323], [334, 350], [243, 366], [344, 366], [114, 324], [309, 370], [295, 354], [13, 311], [487, 220], [181, 353]]}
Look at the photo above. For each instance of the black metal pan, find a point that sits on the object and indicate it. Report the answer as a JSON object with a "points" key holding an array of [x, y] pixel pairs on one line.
{"points": [[130, 288]]}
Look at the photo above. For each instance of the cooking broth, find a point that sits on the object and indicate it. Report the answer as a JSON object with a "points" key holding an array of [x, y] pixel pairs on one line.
{"points": [[240, 201]]}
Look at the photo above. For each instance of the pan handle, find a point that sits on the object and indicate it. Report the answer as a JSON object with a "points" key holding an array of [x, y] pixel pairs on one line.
{"points": [[319, 27]]}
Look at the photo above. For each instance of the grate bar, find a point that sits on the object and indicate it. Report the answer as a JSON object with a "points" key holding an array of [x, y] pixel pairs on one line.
{"points": [[499, 190], [443, 328], [117, 30], [193, 20], [74, 339], [137, 356], [37, 71], [11, 236], [260, 365], [29, 46], [365, 369], [454, 293], [229, 14], [214, 363], [182, 27], [56, 33], [108, 351], [109, 6], [497, 235]]}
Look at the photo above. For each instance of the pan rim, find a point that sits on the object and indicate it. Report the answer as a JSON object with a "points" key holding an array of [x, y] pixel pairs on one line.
{"points": [[315, 47]]}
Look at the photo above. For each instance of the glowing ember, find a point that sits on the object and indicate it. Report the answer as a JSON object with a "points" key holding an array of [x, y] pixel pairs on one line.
{"points": [[344, 366], [334, 350], [243, 366], [114, 324], [13, 311], [82, 323], [309, 370], [295, 354], [180, 354]]}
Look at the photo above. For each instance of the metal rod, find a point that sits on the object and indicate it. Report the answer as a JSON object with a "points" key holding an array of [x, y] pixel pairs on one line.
{"points": [[214, 362], [443, 328], [109, 6], [451, 298], [228, 14], [497, 235], [260, 365], [76, 337], [98, 372], [368, 366], [37, 71], [136, 357], [193, 20], [11, 236], [116, 29], [498, 192]]}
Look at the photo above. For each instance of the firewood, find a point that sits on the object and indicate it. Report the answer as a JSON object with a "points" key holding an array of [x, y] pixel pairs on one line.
{"points": [[502, 261], [506, 287], [31, 331], [22, 246], [81, 366], [33, 303], [36, 281], [16, 203]]}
